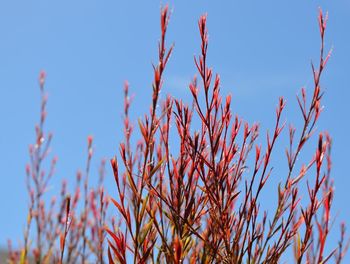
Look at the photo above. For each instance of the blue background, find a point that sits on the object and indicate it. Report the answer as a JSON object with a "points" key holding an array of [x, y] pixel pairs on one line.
{"points": [[262, 50]]}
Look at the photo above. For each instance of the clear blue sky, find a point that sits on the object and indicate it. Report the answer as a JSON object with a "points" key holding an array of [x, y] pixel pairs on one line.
{"points": [[262, 50]]}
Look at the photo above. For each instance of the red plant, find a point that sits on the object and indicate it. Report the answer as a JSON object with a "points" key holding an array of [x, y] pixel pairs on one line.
{"points": [[62, 232], [201, 204]]}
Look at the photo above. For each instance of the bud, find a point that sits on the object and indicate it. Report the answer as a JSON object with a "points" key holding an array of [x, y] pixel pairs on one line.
{"points": [[42, 78]]}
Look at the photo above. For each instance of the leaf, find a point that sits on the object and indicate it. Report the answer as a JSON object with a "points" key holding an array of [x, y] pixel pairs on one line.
{"points": [[143, 208], [110, 258], [116, 252], [156, 168], [132, 184], [61, 241], [112, 234], [145, 230]]}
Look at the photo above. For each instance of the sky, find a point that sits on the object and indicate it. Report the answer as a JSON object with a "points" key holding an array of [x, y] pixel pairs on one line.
{"points": [[261, 49]]}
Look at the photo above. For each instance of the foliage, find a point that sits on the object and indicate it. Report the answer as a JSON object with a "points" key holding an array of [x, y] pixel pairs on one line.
{"points": [[200, 204]]}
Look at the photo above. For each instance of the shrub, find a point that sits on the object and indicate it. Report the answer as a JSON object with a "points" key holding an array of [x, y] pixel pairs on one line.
{"points": [[62, 230], [199, 204]]}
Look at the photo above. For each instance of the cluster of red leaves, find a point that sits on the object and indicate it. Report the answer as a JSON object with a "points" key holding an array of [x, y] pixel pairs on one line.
{"points": [[199, 205]]}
